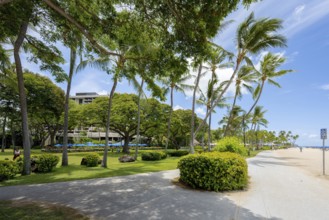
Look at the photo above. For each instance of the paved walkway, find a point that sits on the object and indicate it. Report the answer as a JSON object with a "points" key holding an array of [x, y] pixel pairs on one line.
{"points": [[277, 191]]}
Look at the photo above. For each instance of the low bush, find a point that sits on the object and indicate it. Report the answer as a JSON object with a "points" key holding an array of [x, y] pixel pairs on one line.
{"points": [[214, 171], [153, 155], [91, 159], [231, 144], [8, 169], [44, 163], [177, 153]]}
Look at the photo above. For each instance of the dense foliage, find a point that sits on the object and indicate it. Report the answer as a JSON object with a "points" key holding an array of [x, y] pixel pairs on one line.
{"points": [[214, 171], [92, 160], [44, 163], [154, 155], [177, 153], [231, 144], [8, 169]]}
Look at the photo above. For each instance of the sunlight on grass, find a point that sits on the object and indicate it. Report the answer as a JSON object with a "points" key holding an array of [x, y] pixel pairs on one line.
{"points": [[76, 172]]}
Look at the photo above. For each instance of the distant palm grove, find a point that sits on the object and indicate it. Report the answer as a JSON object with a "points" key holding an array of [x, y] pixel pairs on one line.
{"points": [[158, 46]]}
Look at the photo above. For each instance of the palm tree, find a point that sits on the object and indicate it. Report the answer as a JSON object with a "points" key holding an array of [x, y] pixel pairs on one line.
{"points": [[258, 120], [176, 80], [252, 37], [268, 71], [245, 78]]}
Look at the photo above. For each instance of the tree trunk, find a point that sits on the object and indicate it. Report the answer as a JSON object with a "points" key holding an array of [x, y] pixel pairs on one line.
{"points": [[193, 109], [139, 118], [125, 145], [104, 161], [238, 62], [252, 107], [4, 134], [22, 98], [170, 115], [231, 114], [65, 159], [13, 134], [209, 134]]}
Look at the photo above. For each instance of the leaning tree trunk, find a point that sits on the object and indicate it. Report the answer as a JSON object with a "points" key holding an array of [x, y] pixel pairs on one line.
{"points": [[252, 107], [139, 119], [231, 114], [170, 115], [104, 161], [22, 99], [217, 100], [65, 159], [4, 134], [193, 109]]}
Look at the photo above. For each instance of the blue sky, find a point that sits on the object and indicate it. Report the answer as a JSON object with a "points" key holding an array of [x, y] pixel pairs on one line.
{"points": [[301, 105]]}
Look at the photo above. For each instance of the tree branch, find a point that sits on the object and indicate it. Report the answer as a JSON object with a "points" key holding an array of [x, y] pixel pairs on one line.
{"points": [[81, 28]]}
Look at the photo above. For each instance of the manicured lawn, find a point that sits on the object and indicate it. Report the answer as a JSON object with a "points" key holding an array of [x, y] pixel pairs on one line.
{"points": [[75, 171], [12, 210]]}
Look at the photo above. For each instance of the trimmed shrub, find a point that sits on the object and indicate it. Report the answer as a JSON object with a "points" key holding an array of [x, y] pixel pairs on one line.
{"points": [[91, 159], [153, 155], [8, 169], [44, 163], [177, 153], [214, 171], [231, 144]]}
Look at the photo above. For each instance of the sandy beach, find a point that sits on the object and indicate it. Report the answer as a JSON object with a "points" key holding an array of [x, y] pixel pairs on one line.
{"points": [[309, 160]]}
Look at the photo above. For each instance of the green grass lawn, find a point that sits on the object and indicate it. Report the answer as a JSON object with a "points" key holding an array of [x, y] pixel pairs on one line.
{"points": [[76, 172]]}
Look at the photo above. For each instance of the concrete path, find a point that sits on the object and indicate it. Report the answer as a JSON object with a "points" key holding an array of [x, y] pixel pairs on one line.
{"points": [[281, 188], [277, 191]]}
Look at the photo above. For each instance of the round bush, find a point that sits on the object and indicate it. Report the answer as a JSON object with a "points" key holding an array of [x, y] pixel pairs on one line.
{"points": [[231, 144], [214, 171], [92, 159], [177, 153], [8, 169], [154, 155], [44, 163]]}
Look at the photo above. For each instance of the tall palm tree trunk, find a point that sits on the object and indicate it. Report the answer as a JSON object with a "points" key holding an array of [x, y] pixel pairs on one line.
{"points": [[104, 161], [238, 62], [170, 115], [139, 118], [22, 98], [209, 134], [252, 107], [193, 109], [231, 114], [65, 161], [3, 143]]}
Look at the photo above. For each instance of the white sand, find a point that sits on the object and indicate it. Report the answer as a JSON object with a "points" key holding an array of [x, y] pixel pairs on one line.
{"points": [[309, 160]]}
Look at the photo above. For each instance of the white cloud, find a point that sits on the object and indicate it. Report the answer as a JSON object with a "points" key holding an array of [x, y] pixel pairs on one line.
{"points": [[176, 107], [312, 136], [200, 111], [325, 87], [103, 92]]}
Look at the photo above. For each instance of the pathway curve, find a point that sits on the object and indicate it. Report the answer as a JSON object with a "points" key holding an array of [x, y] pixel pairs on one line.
{"points": [[278, 190]]}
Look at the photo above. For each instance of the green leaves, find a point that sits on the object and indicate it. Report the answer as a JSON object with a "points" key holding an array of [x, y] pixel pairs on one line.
{"points": [[214, 171]]}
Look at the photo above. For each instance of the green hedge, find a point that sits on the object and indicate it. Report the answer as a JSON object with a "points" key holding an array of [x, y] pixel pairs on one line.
{"points": [[154, 155], [231, 144], [177, 153], [92, 160], [214, 171], [8, 169], [44, 163]]}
